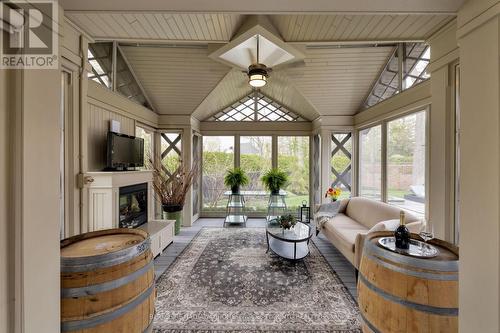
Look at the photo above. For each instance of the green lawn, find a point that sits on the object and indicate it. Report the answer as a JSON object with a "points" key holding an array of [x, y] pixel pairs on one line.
{"points": [[293, 201]]}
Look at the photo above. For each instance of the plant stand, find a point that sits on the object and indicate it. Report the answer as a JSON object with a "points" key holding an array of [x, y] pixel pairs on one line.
{"points": [[276, 206], [235, 210]]}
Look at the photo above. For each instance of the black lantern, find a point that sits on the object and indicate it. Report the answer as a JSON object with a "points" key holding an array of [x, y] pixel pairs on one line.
{"points": [[305, 213]]}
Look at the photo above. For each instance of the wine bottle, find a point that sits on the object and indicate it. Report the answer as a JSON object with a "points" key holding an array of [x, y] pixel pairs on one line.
{"points": [[402, 234]]}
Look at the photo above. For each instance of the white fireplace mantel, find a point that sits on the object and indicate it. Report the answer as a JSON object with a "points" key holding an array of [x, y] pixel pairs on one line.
{"points": [[103, 195]]}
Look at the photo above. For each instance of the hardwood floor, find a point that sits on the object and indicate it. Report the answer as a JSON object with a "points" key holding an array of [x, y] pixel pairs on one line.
{"points": [[340, 265]]}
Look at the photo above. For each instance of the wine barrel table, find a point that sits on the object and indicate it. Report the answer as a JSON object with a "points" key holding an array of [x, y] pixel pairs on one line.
{"points": [[400, 293], [107, 282]]}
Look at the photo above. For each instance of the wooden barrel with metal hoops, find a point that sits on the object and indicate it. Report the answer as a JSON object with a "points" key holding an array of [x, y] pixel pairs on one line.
{"points": [[399, 293], [107, 282]]}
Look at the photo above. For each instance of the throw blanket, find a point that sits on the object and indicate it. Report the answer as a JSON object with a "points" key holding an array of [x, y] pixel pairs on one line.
{"points": [[326, 212]]}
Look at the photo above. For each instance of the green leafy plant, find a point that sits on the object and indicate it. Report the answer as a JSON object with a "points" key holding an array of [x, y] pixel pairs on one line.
{"points": [[274, 180], [235, 178], [287, 221]]}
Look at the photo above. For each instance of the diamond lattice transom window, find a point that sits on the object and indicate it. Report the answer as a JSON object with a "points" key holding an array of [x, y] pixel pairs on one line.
{"points": [[256, 107]]}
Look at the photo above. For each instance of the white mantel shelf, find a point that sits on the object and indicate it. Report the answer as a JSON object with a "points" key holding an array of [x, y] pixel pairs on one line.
{"points": [[102, 189], [106, 179]]}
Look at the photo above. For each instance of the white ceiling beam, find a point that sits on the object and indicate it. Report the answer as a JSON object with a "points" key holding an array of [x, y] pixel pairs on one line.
{"points": [[269, 7]]}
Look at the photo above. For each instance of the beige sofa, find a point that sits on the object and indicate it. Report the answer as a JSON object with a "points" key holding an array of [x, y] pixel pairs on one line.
{"points": [[356, 216]]}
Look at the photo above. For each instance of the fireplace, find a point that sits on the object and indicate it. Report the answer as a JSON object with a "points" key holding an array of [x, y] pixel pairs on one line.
{"points": [[133, 205]]}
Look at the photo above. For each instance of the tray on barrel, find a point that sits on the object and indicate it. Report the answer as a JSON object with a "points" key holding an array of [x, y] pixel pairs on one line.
{"points": [[417, 248]]}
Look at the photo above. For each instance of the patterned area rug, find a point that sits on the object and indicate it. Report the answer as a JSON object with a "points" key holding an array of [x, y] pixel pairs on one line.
{"points": [[224, 281]]}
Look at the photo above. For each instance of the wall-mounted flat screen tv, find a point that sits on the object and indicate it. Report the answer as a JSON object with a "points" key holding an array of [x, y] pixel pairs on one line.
{"points": [[124, 151]]}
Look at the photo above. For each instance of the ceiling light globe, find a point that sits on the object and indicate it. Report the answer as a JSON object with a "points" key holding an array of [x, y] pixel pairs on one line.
{"points": [[257, 80]]}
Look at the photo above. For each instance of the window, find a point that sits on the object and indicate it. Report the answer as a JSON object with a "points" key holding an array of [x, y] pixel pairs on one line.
{"points": [[404, 166], [293, 158], [456, 225], [316, 145], [196, 194], [416, 57], [340, 162], [218, 157], [370, 162], [148, 137], [406, 152], [100, 58], [256, 107], [256, 159], [171, 148], [126, 82]]}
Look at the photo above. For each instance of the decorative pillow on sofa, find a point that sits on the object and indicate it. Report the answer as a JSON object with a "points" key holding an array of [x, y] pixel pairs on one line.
{"points": [[391, 225]]}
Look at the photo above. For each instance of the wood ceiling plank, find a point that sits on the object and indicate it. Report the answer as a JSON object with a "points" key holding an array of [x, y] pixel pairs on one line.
{"points": [[423, 21], [433, 25], [91, 22], [375, 21], [108, 21], [384, 23], [357, 23], [345, 21], [172, 26], [209, 26], [327, 23], [147, 23], [184, 25], [196, 26], [120, 22]]}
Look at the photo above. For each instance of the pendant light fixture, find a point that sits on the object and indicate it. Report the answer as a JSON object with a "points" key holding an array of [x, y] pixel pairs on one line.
{"points": [[257, 73]]}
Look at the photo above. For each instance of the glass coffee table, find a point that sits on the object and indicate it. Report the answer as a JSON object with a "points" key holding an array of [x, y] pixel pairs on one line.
{"points": [[290, 244]]}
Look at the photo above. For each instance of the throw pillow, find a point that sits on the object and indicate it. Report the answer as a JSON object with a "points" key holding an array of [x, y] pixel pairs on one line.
{"points": [[391, 225]]}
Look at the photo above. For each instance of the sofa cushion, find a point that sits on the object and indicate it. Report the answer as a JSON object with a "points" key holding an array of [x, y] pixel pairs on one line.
{"points": [[369, 212], [345, 229]]}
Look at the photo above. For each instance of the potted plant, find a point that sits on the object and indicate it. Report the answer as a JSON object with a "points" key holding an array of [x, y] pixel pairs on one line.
{"points": [[274, 180], [287, 221], [171, 190], [333, 193], [235, 178]]}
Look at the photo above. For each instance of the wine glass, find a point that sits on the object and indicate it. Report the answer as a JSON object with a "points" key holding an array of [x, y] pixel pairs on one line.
{"points": [[427, 233]]}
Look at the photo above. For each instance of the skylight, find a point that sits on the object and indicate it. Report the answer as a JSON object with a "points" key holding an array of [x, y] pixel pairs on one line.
{"points": [[256, 107]]}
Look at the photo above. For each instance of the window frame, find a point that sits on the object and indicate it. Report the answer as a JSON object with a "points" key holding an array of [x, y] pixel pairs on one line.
{"points": [[237, 152], [383, 123], [181, 141], [352, 159], [152, 132], [202, 211]]}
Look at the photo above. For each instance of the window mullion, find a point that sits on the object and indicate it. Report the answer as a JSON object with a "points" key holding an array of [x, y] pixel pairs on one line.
{"points": [[236, 150], [383, 163], [274, 151]]}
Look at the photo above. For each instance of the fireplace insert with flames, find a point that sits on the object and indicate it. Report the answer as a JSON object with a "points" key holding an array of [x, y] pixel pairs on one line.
{"points": [[133, 205]]}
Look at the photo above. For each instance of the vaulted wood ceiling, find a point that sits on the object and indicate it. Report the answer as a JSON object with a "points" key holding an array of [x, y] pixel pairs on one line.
{"points": [[344, 54], [176, 79], [337, 80]]}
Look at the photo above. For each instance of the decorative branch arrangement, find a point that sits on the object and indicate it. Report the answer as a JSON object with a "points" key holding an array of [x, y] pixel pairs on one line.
{"points": [[171, 189]]}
